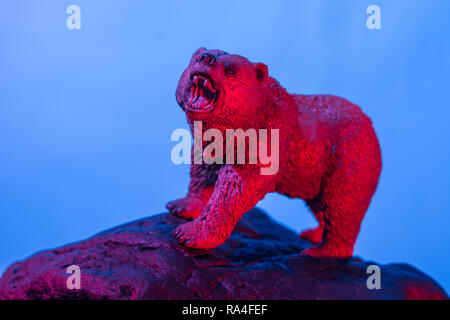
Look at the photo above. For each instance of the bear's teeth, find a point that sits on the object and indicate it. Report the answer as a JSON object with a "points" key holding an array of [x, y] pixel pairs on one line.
{"points": [[208, 84], [201, 92], [196, 93]]}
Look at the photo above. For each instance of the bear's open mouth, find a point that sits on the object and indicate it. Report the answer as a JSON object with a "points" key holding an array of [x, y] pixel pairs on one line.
{"points": [[203, 94]]}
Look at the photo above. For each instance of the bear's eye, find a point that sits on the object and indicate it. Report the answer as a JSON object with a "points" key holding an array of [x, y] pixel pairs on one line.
{"points": [[229, 70]]}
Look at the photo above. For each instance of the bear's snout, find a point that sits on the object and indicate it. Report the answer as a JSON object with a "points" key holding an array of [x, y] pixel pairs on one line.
{"points": [[207, 59]]}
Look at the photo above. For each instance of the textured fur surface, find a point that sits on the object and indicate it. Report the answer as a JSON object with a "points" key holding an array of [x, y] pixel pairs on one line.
{"points": [[329, 156]]}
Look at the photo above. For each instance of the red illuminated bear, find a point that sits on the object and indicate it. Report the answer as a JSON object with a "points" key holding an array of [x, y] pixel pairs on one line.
{"points": [[328, 154]]}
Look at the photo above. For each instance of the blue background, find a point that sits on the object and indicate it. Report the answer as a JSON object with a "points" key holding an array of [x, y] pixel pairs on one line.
{"points": [[86, 115]]}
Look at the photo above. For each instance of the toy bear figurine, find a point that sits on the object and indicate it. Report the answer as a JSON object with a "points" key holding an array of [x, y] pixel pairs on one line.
{"points": [[328, 154]]}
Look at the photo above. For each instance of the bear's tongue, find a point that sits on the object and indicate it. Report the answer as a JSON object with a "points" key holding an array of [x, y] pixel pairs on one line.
{"points": [[200, 103]]}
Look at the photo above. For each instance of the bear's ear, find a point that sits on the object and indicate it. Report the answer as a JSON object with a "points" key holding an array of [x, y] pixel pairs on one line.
{"points": [[261, 71]]}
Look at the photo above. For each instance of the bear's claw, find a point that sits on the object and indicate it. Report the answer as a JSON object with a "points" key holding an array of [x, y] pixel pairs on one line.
{"points": [[188, 234], [183, 208], [195, 235]]}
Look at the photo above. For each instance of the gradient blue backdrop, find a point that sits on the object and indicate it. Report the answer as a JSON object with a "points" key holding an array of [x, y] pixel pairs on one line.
{"points": [[86, 115]]}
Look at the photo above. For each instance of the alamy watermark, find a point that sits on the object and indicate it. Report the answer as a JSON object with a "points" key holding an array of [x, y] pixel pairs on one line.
{"points": [[374, 280], [214, 151], [74, 20], [374, 20], [74, 280]]}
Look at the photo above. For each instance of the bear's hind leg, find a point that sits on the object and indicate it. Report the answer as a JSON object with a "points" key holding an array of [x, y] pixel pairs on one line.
{"points": [[342, 219], [315, 235], [346, 197]]}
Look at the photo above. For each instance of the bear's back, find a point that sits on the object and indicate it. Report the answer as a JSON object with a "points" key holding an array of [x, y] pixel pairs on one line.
{"points": [[333, 114]]}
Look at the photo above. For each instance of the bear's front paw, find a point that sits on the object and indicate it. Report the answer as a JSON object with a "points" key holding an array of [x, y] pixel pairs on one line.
{"points": [[195, 235], [186, 208]]}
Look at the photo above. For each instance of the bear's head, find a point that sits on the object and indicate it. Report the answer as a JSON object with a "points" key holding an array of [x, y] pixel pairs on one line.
{"points": [[221, 86]]}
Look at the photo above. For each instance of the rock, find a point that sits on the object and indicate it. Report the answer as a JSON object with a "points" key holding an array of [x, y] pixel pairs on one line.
{"points": [[141, 260]]}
